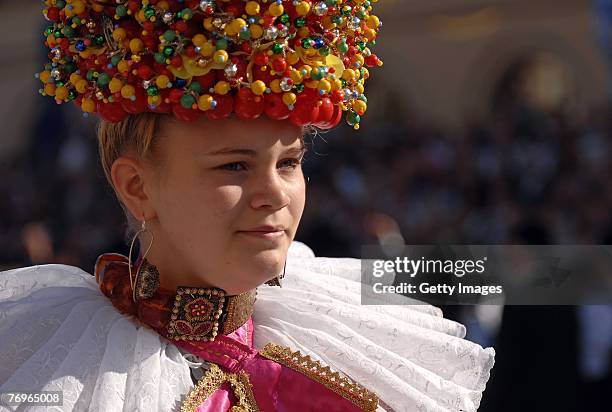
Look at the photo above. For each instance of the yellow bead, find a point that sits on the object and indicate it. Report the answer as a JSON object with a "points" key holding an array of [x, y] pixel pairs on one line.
{"points": [[119, 34], [258, 87], [123, 66], [275, 86], [98, 8], [276, 9], [222, 87], [306, 69], [292, 58], [359, 88], [220, 56], [153, 100], [136, 45], [289, 98], [81, 86], [296, 76], [373, 22], [239, 23], [252, 8], [205, 102], [348, 75], [325, 85], [51, 40], [44, 76], [88, 105], [198, 40], [360, 107], [74, 78], [302, 8], [207, 49], [61, 92], [115, 85], [128, 91], [163, 4], [208, 24], [78, 7], [230, 29], [162, 81], [303, 32], [256, 31]]}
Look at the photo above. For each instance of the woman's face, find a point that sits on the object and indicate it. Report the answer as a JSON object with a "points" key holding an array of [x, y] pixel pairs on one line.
{"points": [[226, 198]]}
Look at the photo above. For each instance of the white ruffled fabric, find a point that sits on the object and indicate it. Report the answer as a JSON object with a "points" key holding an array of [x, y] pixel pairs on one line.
{"points": [[59, 333]]}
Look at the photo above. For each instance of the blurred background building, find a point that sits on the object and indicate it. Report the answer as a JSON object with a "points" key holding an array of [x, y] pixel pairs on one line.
{"points": [[489, 123]]}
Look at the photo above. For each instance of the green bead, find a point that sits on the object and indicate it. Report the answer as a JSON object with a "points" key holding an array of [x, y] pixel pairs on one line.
{"points": [[49, 30], [68, 31], [121, 10], [361, 45], [68, 68], [60, 4], [342, 47], [337, 19], [245, 34], [152, 91], [306, 43], [324, 51], [60, 83], [330, 3], [353, 118], [90, 75], [221, 44], [299, 22], [160, 58], [195, 87], [187, 101], [347, 10], [72, 94], [103, 79], [277, 48], [149, 12], [299, 87], [316, 74], [186, 14], [98, 40], [58, 34], [169, 35], [168, 51], [76, 20], [284, 18], [115, 59]]}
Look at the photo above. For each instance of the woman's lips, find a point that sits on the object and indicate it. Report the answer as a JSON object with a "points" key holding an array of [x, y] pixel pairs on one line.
{"points": [[271, 235]]}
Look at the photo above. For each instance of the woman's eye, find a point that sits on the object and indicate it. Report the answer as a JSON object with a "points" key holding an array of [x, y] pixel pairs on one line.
{"points": [[235, 166], [291, 163]]}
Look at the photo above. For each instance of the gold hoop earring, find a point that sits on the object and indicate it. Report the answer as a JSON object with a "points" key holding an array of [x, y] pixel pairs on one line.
{"points": [[277, 281], [146, 281]]}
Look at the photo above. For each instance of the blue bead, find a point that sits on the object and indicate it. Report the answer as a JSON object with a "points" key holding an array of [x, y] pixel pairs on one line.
{"points": [[80, 45]]}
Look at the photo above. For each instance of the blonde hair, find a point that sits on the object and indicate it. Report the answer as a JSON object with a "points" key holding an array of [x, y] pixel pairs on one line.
{"points": [[138, 133]]}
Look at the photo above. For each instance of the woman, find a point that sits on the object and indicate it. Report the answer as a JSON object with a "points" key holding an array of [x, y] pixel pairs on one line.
{"points": [[214, 201]]}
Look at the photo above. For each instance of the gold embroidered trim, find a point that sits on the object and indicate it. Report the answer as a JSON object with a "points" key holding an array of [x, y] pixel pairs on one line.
{"points": [[352, 391], [212, 381]]}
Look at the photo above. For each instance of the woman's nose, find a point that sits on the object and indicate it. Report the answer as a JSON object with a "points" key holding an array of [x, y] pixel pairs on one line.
{"points": [[270, 191]]}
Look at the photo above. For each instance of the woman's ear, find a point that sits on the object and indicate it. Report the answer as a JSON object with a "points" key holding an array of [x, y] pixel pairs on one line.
{"points": [[128, 177]]}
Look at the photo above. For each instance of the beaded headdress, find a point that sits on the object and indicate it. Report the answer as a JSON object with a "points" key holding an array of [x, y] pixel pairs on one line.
{"points": [[302, 60]]}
